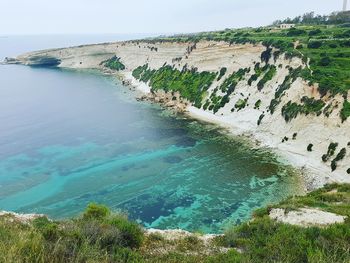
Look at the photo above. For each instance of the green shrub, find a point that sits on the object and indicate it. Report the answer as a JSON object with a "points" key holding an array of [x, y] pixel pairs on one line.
{"points": [[330, 152], [340, 156], [315, 44], [257, 104], [295, 32], [253, 78], [261, 117], [345, 111], [96, 211], [325, 61], [267, 77], [48, 229], [191, 84], [127, 255], [241, 104], [309, 106], [114, 63], [309, 147], [266, 55], [132, 234], [295, 136], [222, 73], [315, 32]]}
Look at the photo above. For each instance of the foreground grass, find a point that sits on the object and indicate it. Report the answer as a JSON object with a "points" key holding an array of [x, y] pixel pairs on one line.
{"points": [[101, 236]]}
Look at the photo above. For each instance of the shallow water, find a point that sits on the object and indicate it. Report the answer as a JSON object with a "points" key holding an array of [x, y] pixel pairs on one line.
{"points": [[68, 138]]}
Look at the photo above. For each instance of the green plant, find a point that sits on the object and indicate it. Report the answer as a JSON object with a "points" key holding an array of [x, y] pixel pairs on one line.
{"points": [[309, 147], [330, 152], [257, 104], [191, 84], [222, 73], [308, 106], [314, 44], [345, 111], [96, 211], [267, 77], [295, 136], [114, 63], [131, 232], [241, 104], [339, 157], [261, 117]]}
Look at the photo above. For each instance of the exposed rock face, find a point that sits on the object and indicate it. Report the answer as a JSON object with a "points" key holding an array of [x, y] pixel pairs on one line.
{"points": [[291, 138], [23, 218], [306, 217]]}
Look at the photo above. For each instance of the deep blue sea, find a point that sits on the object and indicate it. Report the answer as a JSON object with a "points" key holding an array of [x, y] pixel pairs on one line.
{"points": [[68, 138]]}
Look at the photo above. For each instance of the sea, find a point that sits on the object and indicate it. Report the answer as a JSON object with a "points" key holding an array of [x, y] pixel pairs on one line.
{"points": [[69, 138]]}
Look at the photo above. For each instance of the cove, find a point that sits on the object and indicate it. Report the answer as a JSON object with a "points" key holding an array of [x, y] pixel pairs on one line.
{"points": [[68, 138]]}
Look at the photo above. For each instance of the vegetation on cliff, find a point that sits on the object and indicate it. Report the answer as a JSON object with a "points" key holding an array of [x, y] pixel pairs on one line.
{"points": [[191, 84], [322, 42], [114, 63], [102, 236]]}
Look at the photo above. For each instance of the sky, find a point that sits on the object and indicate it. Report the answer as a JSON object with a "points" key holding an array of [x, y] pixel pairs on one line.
{"points": [[147, 16]]}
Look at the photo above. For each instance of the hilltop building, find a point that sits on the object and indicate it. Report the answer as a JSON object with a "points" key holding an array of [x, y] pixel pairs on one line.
{"points": [[286, 26]]}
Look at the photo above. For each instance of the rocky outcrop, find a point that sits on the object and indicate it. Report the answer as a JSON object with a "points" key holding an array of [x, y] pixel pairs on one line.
{"points": [[306, 217], [22, 218]]}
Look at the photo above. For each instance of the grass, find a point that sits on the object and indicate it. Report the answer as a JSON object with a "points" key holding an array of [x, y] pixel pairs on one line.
{"points": [[102, 236], [97, 236]]}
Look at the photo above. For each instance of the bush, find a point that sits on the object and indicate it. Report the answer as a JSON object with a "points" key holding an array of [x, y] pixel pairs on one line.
{"points": [[266, 55], [261, 117], [267, 77], [191, 84], [114, 63], [241, 104], [325, 61], [330, 152], [96, 211], [309, 147], [345, 111], [222, 73], [339, 157], [295, 32], [315, 32], [132, 234], [48, 229], [127, 255], [257, 104], [309, 106], [314, 44]]}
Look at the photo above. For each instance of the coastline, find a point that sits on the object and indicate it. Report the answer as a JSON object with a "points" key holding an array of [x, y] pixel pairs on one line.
{"points": [[289, 139], [313, 175]]}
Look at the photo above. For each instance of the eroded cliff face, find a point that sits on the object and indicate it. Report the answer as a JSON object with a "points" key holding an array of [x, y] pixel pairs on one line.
{"points": [[258, 92]]}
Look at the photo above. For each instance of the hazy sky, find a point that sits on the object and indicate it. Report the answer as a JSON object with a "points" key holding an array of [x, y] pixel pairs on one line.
{"points": [[147, 16]]}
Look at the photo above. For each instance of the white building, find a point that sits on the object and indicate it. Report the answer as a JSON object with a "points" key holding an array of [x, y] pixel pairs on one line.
{"points": [[286, 26]]}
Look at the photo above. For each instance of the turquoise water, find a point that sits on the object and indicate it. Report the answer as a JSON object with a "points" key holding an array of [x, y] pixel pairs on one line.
{"points": [[68, 138]]}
